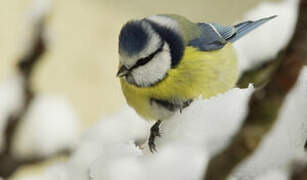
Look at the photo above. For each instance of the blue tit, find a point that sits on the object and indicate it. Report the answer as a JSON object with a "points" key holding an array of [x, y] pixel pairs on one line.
{"points": [[166, 61]]}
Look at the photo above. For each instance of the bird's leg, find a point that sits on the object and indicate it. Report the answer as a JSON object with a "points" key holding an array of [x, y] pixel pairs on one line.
{"points": [[154, 132]]}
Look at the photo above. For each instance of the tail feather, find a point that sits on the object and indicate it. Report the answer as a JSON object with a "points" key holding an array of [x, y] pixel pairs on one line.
{"points": [[247, 26]]}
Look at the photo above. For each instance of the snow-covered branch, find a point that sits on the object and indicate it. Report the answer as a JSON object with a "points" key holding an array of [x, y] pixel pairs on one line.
{"points": [[8, 163], [265, 104], [18, 100]]}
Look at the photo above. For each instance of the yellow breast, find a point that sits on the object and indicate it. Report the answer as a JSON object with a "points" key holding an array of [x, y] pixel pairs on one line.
{"points": [[198, 73]]}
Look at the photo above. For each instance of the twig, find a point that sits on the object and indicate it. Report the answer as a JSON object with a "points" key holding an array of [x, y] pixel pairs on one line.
{"points": [[8, 164], [264, 104], [25, 68]]}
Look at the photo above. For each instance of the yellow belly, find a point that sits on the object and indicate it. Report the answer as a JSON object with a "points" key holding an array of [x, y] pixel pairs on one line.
{"points": [[198, 73]]}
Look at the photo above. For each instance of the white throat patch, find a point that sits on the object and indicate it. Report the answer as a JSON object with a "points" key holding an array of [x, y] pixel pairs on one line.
{"points": [[155, 70]]}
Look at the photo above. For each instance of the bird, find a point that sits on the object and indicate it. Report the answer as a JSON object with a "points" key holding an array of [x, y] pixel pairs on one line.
{"points": [[166, 61]]}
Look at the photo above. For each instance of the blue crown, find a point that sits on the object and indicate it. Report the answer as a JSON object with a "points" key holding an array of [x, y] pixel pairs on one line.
{"points": [[133, 38]]}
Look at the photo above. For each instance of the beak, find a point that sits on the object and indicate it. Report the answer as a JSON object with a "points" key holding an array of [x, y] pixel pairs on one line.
{"points": [[123, 71]]}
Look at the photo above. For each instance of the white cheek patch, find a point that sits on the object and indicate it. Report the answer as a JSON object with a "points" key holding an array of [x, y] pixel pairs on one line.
{"points": [[155, 70]]}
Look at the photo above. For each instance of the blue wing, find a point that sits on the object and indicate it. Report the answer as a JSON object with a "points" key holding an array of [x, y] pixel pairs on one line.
{"points": [[214, 36], [247, 26]]}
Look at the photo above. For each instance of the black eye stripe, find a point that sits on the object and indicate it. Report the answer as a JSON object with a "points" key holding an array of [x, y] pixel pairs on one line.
{"points": [[145, 60]]}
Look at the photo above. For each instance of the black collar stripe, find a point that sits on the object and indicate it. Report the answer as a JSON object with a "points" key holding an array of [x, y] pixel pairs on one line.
{"points": [[173, 39]]}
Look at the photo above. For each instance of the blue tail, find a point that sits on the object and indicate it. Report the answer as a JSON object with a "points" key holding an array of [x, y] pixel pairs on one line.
{"points": [[247, 26]]}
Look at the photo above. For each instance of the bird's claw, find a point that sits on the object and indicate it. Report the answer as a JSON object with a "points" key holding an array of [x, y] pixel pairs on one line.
{"points": [[154, 132], [152, 146]]}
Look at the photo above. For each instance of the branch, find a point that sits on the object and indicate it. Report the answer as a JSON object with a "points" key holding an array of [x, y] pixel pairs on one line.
{"points": [[261, 74], [11, 164], [8, 164], [25, 68], [264, 104]]}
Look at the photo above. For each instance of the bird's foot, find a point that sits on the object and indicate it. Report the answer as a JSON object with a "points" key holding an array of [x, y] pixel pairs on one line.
{"points": [[154, 132]]}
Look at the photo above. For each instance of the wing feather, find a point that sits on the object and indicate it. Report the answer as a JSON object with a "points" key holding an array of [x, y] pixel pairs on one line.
{"points": [[214, 36]]}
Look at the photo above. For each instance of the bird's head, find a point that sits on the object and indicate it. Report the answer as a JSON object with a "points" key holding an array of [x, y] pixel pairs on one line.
{"points": [[147, 50]]}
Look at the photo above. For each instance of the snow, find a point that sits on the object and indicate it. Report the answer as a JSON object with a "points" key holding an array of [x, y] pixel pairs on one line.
{"points": [[202, 122], [264, 43], [39, 9], [182, 151], [274, 175], [50, 125], [110, 137]]}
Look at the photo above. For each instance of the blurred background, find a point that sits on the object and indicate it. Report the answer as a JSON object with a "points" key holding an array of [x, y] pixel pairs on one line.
{"points": [[77, 71], [81, 60]]}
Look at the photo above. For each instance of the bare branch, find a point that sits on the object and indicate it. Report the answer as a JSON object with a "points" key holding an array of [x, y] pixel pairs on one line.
{"points": [[264, 104]]}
